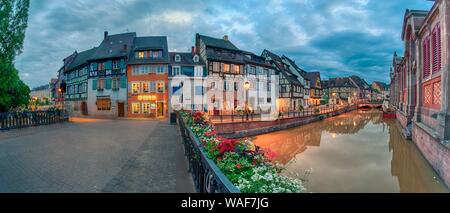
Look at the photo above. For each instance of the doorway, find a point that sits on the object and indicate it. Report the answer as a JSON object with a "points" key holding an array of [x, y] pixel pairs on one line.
{"points": [[84, 108], [121, 109], [160, 109]]}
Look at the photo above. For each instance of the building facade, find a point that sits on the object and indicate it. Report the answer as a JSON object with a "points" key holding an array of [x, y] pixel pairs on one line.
{"points": [[302, 78], [420, 88], [290, 89], [187, 81], [147, 76], [315, 85], [107, 82], [76, 79], [341, 90], [226, 75], [262, 93]]}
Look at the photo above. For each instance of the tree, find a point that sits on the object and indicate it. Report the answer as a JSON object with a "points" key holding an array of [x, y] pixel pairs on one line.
{"points": [[13, 23]]}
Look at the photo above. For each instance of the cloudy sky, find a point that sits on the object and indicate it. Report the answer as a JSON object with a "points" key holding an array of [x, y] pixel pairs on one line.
{"points": [[335, 37]]}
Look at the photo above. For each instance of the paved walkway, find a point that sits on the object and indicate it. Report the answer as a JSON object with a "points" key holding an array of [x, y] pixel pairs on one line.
{"points": [[94, 155]]}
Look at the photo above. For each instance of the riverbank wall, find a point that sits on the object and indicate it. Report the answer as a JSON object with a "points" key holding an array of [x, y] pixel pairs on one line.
{"points": [[436, 152], [253, 128]]}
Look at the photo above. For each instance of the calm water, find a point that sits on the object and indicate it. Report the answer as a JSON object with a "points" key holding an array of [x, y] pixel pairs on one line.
{"points": [[356, 152]]}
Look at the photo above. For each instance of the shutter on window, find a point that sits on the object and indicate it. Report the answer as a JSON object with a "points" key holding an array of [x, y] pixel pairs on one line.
{"points": [[108, 65], [439, 53], [123, 82], [94, 84], [108, 83], [122, 63]]}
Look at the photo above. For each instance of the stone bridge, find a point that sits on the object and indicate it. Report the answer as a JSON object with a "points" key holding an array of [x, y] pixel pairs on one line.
{"points": [[370, 105]]}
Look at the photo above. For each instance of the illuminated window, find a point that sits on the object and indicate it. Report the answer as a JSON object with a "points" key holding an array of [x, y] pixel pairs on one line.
{"points": [[226, 68], [135, 88], [145, 108], [237, 69], [135, 108], [145, 87], [160, 87], [140, 54], [103, 104]]}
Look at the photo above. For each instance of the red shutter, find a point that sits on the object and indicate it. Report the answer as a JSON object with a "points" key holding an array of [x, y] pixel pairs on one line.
{"points": [[438, 38], [434, 53], [424, 59]]}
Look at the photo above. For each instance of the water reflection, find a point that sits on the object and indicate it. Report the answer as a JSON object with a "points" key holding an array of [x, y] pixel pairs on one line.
{"points": [[355, 152]]}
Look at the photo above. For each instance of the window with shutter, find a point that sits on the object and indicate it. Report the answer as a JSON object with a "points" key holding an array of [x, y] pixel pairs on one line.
{"points": [[438, 47], [94, 84]]}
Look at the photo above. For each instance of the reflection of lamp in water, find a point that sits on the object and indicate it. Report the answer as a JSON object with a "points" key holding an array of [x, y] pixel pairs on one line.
{"points": [[333, 135]]}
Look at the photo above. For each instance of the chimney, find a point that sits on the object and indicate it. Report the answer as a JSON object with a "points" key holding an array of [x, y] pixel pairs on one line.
{"points": [[193, 50], [105, 34], [225, 37], [125, 47]]}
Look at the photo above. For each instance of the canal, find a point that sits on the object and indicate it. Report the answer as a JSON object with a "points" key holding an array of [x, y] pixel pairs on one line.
{"points": [[358, 151]]}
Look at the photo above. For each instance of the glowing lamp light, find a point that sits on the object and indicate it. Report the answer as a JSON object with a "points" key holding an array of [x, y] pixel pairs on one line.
{"points": [[247, 85]]}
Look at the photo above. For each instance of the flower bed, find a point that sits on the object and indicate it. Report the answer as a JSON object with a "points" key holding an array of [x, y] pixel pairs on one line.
{"points": [[248, 167]]}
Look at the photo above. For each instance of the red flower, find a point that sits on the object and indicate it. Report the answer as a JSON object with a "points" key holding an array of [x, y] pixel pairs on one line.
{"points": [[254, 162], [238, 166], [227, 145], [219, 158]]}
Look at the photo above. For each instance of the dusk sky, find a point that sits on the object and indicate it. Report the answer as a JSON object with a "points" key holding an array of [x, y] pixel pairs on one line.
{"points": [[337, 38]]}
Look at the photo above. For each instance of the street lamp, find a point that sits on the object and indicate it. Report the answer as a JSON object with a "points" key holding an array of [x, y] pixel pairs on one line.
{"points": [[246, 87]]}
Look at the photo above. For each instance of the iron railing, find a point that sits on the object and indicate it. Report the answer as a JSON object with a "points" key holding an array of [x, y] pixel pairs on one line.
{"points": [[206, 175], [231, 117], [15, 120]]}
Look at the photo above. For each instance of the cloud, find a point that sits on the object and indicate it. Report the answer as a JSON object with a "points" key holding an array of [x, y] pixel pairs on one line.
{"points": [[338, 38]]}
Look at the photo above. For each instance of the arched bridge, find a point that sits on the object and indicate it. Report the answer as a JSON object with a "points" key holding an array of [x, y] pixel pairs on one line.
{"points": [[370, 105]]}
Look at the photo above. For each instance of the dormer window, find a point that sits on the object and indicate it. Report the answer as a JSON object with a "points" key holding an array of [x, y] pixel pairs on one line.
{"points": [[195, 58], [177, 58]]}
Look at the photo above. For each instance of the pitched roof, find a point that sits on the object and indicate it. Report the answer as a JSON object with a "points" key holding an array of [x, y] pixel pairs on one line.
{"points": [[42, 87], [150, 43], [340, 82], [187, 58], [272, 55], [217, 42], [252, 58], [361, 83], [81, 59], [113, 46], [313, 76]]}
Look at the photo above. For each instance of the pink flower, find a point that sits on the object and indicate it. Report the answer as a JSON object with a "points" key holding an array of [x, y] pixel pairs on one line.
{"points": [[238, 166]]}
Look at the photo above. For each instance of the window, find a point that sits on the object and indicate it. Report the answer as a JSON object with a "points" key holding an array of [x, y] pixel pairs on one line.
{"points": [[155, 54], [145, 108], [426, 58], [104, 104], [216, 67], [101, 84], [101, 66], [198, 71], [135, 88], [198, 90], [115, 83], [160, 69], [225, 86], [152, 86], [196, 58], [177, 58], [145, 87], [268, 87], [135, 108], [213, 85], [269, 100], [237, 69], [267, 72], [140, 54], [160, 87], [236, 86], [116, 64], [252, 70], [226, 68], [176, 71], [436, 43]]}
